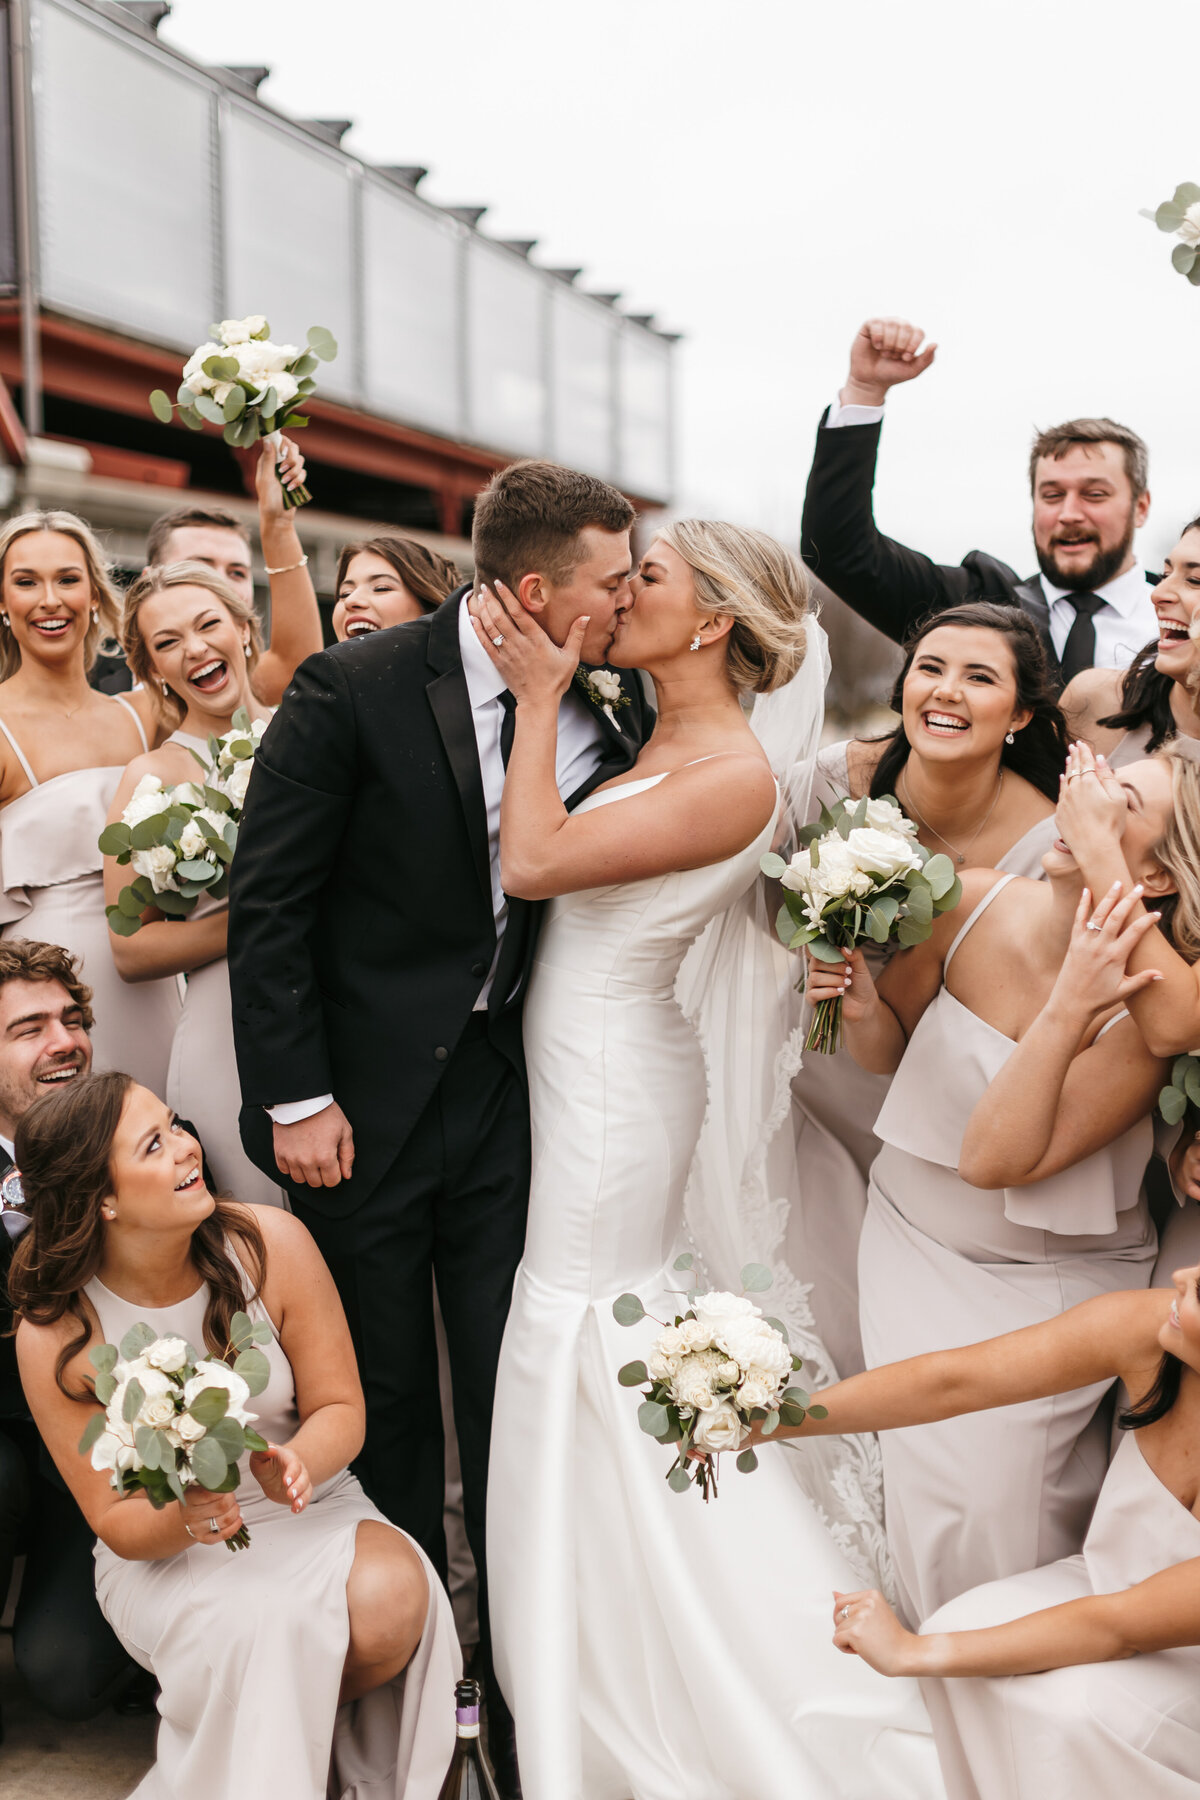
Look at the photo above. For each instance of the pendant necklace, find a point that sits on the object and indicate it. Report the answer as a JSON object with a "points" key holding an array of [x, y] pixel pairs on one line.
{"points": [[960, 856]]}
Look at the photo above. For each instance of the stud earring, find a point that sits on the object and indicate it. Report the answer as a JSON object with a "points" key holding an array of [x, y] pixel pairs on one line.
{"points": [[1010, 738], [695, 643]]}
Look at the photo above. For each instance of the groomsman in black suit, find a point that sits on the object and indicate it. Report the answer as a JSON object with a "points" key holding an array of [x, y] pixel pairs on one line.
{"points": [[378, 972], [64, 1647], [1091, 599]]}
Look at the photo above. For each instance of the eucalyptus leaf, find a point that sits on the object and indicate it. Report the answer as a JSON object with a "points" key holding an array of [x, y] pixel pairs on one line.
{"points": [[114, 839], [756, 1278], [1182, 258], [1172, 1104], [825, 952], [103, 1357], [322, 343], [209, 1463], [679, 1481], [235, 403], [148, 832], [148, 1446], [262, 1332], [241, 1330], [920, 905], [654, 1419], [747, 1462], [1186, 194], [221, 368], [770, 1423], [772, 865], [203, 872], [683, 1262], [210, 1405], [91, 1431], [1193, 274], [1169, 216], [174, 1483], [910, 932], [253, 1440], [305, 367], [939, 873], [208, 409], [135, 1399], [172, 904], [139, 1337], [160, 406], [633, 1374], [185, 396], [1191, 1085], [231, 1436], [779, 1326], [628, 1309], [268, 406], [254, 1370], [191, 418], [119, 924], [818, 1412], [950, 898], [129, 905]]}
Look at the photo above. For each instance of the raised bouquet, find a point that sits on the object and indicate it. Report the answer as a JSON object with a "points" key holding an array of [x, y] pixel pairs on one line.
{"points": [[1180, 215], [243, 382], [719, 1369], [180, 840], [859, 876], [173, 1419]]}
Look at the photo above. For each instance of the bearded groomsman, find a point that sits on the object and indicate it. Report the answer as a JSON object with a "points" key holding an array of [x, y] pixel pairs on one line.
{"points": [[1088, 477]]}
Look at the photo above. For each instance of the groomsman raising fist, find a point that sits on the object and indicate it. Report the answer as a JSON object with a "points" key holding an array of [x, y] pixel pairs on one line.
{"points": [[1088, 479]]}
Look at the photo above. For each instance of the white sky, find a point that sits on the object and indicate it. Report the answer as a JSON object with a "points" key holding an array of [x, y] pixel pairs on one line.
{"points": [[765, 175]]}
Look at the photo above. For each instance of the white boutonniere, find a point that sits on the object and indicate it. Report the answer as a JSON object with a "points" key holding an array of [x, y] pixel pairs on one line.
{"points": [[603, 689]]}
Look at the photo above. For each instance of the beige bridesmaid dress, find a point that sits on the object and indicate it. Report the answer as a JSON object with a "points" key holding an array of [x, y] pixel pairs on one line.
{"points": [[202, 1080], [835, 1107], [1127, 1730], [942, 1264], [249, 1648], [51, 874]]}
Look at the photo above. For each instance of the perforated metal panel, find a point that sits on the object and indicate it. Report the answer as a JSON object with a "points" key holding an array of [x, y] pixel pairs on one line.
{"points": [[583, 365], [124, 181], [506, 376], [412, 306], [290, 238]]}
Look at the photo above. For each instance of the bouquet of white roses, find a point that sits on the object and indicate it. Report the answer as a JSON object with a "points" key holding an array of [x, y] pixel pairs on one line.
{"points": [[172, 1418], [859, 875], [242, 381], [180, 840], [720, 1368]]}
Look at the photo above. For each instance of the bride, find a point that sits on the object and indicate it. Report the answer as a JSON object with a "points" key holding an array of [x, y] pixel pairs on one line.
{"points": [[652, 1648]]}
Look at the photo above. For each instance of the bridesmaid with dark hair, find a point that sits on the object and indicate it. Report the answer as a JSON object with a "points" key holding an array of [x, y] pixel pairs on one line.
{"points": [[385, 581], [1125, 714], [975, 761]]}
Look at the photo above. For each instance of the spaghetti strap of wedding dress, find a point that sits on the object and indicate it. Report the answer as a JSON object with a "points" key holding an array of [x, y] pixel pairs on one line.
{"points": [[651, 1647], [249, 1647]]}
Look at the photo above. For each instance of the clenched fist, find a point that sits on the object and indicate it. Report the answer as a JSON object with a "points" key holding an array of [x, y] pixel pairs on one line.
{"points": [[884, 353]]}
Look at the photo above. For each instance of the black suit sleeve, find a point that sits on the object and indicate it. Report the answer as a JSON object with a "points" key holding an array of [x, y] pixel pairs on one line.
{"points": [[295, 814], [891, 586]]}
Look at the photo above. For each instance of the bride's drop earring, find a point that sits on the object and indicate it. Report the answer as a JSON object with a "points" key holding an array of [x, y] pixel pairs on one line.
{"points": [[695, 643], [166, 690], [1010, 738], [95, 615], [4, 621]]}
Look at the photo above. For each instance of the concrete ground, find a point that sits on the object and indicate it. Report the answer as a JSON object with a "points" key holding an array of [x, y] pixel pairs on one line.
{"points": [[42, 1759]]}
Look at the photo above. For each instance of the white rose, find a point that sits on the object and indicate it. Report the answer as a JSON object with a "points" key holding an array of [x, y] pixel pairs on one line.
{"points": [[168, 1354], [714, 1310], [286, 388], [607, 685], [755, 1391], [188, 794], [234, 331], [882, 853], [695, 1335], [237, 781], [663, 1368], [104, 1451], [719, 1429], [147, 798], [187, 1429], [1189, 226], [192, 841], [670, 1341], [839, 872], [193, 370], [261, 362], [728, 1373], [798, 874], [158, 866], [158, 1410], [756, 1346], [885, 815], [218, 1374], [691, 1387], [222, 390]]}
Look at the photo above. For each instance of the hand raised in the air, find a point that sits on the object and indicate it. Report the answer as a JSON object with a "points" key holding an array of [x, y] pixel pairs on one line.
{"points": [[884, 353]]}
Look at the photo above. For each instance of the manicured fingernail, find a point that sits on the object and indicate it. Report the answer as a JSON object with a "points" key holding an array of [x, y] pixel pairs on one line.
{"points": [[1139, 889]]}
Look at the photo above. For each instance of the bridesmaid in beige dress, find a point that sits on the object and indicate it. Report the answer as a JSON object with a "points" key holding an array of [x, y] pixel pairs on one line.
{"points": [[62, 751], [191, 638], [1079, 1680], [977, 756], [1015, 1137], [322, 1658]]}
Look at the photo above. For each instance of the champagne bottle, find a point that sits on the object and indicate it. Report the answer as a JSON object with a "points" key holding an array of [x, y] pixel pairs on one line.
{"points": [[468, 1777]]}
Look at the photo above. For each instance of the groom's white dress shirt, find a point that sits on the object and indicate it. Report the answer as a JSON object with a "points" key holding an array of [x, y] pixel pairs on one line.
{"points": [[1125, 622], [580, 753]]}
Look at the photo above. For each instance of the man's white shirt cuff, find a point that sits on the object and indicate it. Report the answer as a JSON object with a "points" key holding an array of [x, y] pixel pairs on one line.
{"points": [[290, 1112], [852, 415]]}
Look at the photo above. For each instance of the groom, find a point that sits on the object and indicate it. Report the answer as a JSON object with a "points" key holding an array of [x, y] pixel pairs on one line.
{"points": [[378, 971]]}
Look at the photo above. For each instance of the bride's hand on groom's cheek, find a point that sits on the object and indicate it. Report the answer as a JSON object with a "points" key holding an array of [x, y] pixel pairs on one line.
{"points": [[533, 666], [848, 981]]}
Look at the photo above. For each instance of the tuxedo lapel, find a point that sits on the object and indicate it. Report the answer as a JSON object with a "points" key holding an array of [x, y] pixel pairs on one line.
{"points": [[451, 705], [1032, 600]]}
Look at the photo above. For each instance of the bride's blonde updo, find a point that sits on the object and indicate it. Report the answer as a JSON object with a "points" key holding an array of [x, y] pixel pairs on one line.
{"points": [[764, 588]]}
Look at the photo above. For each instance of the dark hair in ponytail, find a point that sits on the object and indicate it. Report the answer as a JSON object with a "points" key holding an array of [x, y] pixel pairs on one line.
{"points": [[1038, 752], [1146, 692], [1157, 1402]]}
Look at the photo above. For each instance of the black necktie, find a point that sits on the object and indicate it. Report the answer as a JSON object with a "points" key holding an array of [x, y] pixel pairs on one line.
{"points": [[1079, 651], [508, 725]]}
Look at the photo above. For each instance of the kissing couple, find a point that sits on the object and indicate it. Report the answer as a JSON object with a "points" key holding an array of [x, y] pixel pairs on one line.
{"points": [[469, 871]]}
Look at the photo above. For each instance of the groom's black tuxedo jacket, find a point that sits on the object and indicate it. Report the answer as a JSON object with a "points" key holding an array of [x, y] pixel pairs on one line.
{"points": [[360, 922], [892, 587]]}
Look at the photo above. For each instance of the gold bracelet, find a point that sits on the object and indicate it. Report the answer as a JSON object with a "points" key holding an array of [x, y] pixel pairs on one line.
{"points": [[287, 569]]}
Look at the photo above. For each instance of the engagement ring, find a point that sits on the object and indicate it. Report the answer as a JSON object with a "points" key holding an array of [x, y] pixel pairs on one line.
{"points": [[497, 641], [214, 1527], [845, 1613]]}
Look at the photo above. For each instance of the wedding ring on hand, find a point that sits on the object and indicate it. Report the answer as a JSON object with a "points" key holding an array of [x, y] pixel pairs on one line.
{"points": [[1092, 925], [845, 1613], [498, 641], [214, 1528]]}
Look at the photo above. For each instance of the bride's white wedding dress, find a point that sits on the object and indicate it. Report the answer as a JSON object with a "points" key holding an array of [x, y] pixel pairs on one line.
{"points": [[651, 1647]]}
